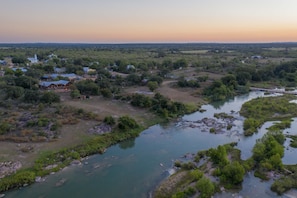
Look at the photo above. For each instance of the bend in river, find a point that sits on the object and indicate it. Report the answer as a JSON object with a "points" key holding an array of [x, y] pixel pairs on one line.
{"points": [[135, 167]]}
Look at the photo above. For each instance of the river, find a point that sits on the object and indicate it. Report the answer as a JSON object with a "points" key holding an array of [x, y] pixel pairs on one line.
{"points": [[132, 169]]}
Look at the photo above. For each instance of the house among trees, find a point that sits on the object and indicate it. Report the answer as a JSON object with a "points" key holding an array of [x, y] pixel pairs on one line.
{"points": [[2, 62], [51, 56], [130, 67], [19, 68], [33, 59], [256, 57], [60, 84], [88, 70], [59, 69]]}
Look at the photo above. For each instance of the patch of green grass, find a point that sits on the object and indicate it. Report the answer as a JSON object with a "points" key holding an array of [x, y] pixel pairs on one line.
{"points": [[260, 110]]}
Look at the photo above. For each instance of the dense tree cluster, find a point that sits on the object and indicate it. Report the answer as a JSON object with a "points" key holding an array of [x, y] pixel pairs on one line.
{"points": [[230, 173], [269, 150], [159, 104]]}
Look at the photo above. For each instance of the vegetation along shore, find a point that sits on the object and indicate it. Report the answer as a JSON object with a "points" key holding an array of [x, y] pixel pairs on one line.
{"points": [[61, 103]]}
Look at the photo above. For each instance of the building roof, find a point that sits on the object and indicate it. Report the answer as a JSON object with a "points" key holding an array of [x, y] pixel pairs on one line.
{"points": [[49, 83], [71, 75], [20, 68], [59, 70]]}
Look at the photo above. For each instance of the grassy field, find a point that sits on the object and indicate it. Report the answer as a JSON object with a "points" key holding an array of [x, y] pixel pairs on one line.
{"points": [[70, 135]]}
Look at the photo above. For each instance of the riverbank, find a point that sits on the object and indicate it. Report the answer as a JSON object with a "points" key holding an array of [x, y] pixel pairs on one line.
{"points": [[54, 161]]}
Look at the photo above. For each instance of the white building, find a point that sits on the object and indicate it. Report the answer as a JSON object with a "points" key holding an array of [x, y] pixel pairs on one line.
{"points": [[33, 59]]}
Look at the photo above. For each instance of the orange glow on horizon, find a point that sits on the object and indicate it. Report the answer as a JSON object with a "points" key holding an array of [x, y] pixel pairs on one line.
{"points": [[115, 22]]}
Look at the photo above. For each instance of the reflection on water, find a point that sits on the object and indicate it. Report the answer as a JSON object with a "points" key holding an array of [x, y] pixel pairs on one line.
{"points": [[134, 168]]}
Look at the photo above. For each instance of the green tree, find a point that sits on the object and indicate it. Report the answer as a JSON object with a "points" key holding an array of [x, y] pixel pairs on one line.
{"points": [[88, 87], [140, 100], [14, 92], [229, 81], [106, 92], [196, 174], [181, 63], [18, 72], [50, 97], [26, 82], [19, 59], [8, 71], [109, 120], [152, 85], [205, 187], [125, 123], [31, 96], [74, 93], [233, 173], [243, 77], [219, 156], [133, 79]]}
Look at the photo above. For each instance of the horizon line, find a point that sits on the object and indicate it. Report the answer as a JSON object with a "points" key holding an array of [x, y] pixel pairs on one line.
{"points": [[120, 43]]}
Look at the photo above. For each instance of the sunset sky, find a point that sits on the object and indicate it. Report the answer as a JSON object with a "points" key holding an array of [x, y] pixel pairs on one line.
{"points": [[147, 21]]}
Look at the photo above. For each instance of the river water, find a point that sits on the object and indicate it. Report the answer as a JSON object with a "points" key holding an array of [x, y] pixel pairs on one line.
{"points": [[132, 169]]}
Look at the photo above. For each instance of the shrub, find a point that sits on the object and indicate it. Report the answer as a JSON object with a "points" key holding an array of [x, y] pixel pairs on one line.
{"points": [[196, 174], [125, 123], [233, 173], [109, 120], [205, 187], [50, 97]]}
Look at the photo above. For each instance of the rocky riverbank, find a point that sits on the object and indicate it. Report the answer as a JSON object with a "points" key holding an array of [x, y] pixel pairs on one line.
{"points": [[219, 124], [9, 167]]}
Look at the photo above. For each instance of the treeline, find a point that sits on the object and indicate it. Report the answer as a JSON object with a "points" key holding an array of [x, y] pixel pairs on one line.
{"points": [[221, 89], [238, 81], [25, 88], [160, 105], [284, 72]]}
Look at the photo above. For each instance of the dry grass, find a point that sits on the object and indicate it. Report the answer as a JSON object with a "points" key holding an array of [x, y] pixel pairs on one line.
{"points": [[70, 135], [106, 107]]}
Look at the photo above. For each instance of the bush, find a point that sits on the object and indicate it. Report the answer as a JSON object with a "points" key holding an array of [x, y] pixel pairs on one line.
{"points": [[233, 173], [106, 93], [188, 166], [125, 123], [250, 126], [196, 174], [109, 120], [218, 156], [50, 97], [177, 164], [283, 184], [4, 127], [152, 85]]}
